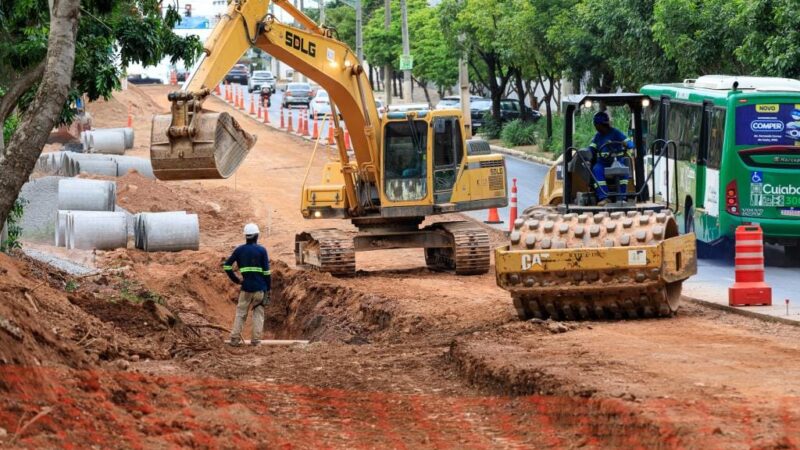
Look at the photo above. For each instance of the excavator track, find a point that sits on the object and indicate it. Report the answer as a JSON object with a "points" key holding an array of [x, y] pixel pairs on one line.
{"points": [[327, 250], [470, 253], [619, 293]]}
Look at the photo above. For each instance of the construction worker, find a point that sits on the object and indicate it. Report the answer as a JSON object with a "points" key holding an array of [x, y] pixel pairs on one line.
{"points": [[253, 263], [609, 144]]}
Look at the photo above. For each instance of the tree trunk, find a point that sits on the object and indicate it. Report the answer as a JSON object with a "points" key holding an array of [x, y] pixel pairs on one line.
{"points": [[520, 88], [424, 87], [19, 86], [25, 146]]}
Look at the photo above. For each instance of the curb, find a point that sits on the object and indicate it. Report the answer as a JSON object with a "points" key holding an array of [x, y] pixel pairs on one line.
{"points": [[744, 313], [522, 155]]}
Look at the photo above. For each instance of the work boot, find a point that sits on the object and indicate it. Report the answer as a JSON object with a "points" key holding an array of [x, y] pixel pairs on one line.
{"points": [[235, 342], [255, 342]]}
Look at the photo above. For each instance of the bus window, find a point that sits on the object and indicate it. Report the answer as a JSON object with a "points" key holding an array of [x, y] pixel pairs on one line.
{"points": [[716, 134], [684, 129]]}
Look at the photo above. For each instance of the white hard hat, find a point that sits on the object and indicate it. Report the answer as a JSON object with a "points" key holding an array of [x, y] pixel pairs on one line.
{"points": [[251, 229]]}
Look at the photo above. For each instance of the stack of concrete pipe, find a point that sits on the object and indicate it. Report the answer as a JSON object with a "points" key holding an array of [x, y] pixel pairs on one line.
{"points": [[113, 141], [86, 218], [72, 164], [89, 230], [166, 231]]}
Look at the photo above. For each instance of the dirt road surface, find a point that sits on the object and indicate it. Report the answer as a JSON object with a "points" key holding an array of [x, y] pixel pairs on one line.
{"points": [[400, 356]]}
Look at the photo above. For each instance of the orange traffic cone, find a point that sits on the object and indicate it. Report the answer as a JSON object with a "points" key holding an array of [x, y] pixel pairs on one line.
{"points": [[216, 90], [283, 123], [347, 144], [173, 77], [252, 105], [228, 96], [130, 118], [493, 216], [259, 111], [330, 134], [512, 212], [305, 123], [290, 129], [266, 114], [241, 99], [315, 133]]}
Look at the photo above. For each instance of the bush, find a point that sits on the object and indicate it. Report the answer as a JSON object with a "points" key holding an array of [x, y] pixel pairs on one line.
{"points": [[14, 229], [9, 127], [491, 128], [517, 132], [584, 132]]}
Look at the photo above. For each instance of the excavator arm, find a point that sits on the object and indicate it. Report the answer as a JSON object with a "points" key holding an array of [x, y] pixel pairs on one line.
{"points": [[192, 143]]}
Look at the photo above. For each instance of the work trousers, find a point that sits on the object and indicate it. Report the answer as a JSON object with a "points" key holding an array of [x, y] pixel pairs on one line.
{"points": [[602, 188], [249, 300]]}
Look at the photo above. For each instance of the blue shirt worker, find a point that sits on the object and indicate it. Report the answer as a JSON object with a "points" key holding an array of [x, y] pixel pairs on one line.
{"points": [[253, 263], [609, 144]]}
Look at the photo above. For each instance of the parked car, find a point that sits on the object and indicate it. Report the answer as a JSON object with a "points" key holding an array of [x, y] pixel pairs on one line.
{"points": [[320, 104], [405, 107], [381, 109], [509, 110], [259, 79], [144, 79], [238, 75], [297, 94], [454, 101]]}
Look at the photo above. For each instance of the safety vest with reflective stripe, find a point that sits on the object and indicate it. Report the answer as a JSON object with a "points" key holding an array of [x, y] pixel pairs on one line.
{"points": [[252, 261]]}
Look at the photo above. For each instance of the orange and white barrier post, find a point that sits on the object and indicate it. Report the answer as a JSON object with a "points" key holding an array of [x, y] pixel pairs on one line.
{"points": [[216, 90], [305, 123], [512, 210], [330, 133], [347, 144], [259, 111], [252, 105], [749, 289], [228, 96], [315, 133], [283, 117], [290, 129], [266, 114]]}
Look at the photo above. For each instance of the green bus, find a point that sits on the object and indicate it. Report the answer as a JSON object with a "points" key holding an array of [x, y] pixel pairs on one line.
{"points": [[736, 158]]}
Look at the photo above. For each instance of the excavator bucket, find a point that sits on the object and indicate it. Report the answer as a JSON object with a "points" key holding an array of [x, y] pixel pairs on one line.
{"points": [[212, 146]]}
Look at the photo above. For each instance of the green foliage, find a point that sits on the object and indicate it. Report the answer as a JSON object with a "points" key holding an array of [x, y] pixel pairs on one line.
{"points": [[491, 127], [133, 292], [517, 132], [584, 132], [10, 126], [13, 226], [112, 34], [434, 60], [771, 45], [71, 286]]}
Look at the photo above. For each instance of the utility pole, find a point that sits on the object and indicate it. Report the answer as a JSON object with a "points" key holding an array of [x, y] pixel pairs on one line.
{"points": [[463, 84], [359, 36], [387, 69], [406, 59], [321, 12]]}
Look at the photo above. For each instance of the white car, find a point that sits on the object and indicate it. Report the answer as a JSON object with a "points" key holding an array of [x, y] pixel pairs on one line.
{"points": [[320, 104], [454, 101], [406, 107], [381, 109], [259, 79]]}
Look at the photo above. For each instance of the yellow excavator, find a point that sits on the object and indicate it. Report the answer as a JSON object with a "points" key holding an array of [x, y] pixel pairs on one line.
{"points": [[406, 166], [573, 257]]}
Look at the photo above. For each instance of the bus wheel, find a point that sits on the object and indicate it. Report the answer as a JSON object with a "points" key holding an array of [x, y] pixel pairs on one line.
{"points": [[688, 219]]}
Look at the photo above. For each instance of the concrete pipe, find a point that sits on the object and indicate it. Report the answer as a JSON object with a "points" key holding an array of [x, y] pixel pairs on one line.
{"points": [[61, 228], [107, 142], [107, 167], [126, 132], [86, 195], [96, 230], [127, 163], [169, 231]]}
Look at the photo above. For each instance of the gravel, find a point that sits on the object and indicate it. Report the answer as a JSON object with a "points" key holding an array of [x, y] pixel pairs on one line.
{"points": [[69, 267]]}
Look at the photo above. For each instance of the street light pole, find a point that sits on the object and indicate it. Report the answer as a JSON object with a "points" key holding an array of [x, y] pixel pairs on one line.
{"points": [[359, 37], [321, 12], [406, 54], [387, 69]]}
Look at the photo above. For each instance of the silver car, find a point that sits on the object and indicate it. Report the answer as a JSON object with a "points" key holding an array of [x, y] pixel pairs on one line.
{"points": [[297, 94]]}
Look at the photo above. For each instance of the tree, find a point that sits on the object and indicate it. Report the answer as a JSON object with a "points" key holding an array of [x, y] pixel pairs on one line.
{"points": [[771, 45], [434, 60], [699, 35], [481, 21], [48, 60]]}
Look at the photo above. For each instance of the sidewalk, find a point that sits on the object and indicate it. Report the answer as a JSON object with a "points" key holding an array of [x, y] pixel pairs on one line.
{"points": [[522, 155]]}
